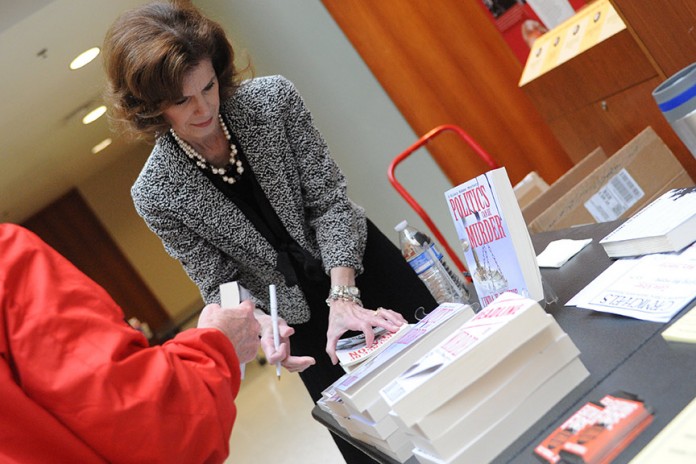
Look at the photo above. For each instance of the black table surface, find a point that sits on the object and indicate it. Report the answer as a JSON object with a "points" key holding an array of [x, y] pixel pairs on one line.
{"points": [[620, 353]]}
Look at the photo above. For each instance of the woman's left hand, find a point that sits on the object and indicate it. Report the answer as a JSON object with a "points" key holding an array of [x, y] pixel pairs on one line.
{"points": [[346, 315]]}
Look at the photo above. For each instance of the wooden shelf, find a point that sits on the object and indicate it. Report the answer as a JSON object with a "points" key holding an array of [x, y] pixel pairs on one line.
{"points": [[603, 96]]}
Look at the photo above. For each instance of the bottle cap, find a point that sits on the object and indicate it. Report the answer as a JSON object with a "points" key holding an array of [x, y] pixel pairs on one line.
{"points": [[401, 226]]}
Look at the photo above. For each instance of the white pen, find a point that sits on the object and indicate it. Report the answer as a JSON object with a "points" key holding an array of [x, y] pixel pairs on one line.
{"points": [[274, 320]]}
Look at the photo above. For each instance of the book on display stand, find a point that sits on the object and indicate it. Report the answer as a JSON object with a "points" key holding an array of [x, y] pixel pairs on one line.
{"points": [[494, 238]]}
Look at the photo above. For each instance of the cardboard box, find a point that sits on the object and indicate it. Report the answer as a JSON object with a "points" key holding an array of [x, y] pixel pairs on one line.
{"points": [[563, 184], [634, 176], [529, 188]]}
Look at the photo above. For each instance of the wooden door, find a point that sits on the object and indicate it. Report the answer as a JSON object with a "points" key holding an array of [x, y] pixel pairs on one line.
{"points": [[70, 226], [443, 62]]}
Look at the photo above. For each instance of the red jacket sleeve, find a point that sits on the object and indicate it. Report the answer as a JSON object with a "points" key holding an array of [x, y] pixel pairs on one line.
{"points": [[73, 354]]}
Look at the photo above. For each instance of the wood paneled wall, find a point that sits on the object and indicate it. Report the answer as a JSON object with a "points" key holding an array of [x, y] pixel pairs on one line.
{"points": [[444, 62]]}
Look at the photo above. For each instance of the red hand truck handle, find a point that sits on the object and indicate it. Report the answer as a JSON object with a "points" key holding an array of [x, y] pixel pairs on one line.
{"points": [[414, 204]]}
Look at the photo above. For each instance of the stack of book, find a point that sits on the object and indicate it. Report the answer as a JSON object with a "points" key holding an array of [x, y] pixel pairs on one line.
{"points": [[478, 390], [354, 400]]}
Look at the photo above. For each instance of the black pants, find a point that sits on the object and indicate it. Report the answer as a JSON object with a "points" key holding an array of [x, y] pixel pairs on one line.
{"points": [[388, 281]]}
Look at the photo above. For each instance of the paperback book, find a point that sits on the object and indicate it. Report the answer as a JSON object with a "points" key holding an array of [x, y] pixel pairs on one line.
{"points": [[360, 388], [494, 237], [597, 432], [493, 440], [490, 396], [667, 224], [352, 351], [463, 357], [445, 442]]}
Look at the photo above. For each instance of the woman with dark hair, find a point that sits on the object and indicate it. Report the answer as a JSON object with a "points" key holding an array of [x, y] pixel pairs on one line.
{"points": [[240, 186]]}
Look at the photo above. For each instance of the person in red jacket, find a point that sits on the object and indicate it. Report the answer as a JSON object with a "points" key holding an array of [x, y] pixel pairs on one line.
{"points": [[79, 385]]}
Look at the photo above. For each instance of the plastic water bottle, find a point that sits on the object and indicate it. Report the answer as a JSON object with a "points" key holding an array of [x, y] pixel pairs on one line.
{"points": [[425, 259]]}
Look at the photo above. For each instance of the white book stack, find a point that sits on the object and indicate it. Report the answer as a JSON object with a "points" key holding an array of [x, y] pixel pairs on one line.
{"points": [[482, 387], [354, 400], [331, 403], [360, 389]]}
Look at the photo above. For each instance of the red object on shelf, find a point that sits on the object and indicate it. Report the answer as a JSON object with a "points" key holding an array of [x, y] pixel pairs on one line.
{"points": [[483, 154]]}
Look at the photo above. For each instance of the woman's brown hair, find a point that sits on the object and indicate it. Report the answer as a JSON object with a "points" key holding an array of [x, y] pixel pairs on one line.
{"points": [[147, 53]]}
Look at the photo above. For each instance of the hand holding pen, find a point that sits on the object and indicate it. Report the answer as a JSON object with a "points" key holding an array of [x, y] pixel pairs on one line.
{"points": [[275, 340]]}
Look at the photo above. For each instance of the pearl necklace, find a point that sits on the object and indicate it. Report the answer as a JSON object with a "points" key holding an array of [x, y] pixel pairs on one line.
{"points": [[229, 173]]}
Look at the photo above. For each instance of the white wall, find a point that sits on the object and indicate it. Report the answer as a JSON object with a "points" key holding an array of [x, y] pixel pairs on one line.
{"points": [[365, 131]]}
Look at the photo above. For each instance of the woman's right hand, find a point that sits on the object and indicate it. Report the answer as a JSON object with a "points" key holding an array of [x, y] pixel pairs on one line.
{"points": [[282, 354]]}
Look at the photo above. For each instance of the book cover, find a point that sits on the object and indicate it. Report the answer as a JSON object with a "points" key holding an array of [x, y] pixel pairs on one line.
{"points": [[667, 224], [494, 237], [597, 432], [463, 357], [360, 388], [352, 351]]}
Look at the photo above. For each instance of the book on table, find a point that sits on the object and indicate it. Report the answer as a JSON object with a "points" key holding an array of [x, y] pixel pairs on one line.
{"points": [[483, 418], [494, 238], [447, 440], [597, 432], [359, 389], [366, 415], [468, 353], [503, 387], [352, 351], [493, 440], [667, 224]]}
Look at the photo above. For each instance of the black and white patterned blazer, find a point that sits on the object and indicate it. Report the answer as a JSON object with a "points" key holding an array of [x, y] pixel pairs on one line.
{"points": [[212, 238]]}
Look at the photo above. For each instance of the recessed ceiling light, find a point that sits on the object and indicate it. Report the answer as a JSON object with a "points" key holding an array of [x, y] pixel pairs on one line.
{"points": [[101, 145], [84, 58], [93, 115]]}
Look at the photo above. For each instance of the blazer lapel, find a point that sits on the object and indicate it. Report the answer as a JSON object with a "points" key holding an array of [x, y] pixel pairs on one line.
{"points": [[197, 197], [277, 177]]}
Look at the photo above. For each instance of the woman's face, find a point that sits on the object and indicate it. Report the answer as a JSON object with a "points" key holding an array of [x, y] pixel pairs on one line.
{"points": [[194, 117]]}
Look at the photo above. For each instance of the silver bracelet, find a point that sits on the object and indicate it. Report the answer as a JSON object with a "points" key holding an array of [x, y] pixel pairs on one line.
{"points": [[345, 293]]}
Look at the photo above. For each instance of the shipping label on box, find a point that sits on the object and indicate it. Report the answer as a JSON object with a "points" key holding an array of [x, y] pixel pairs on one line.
{"points": [[615, 198]]}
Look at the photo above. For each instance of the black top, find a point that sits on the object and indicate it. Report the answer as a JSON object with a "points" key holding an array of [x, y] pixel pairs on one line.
{"points": [[247, 194]]}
